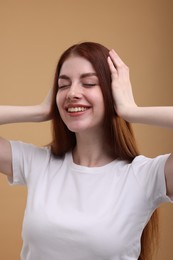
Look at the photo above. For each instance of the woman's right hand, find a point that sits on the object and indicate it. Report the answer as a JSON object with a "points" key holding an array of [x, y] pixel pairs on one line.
{"points": [[33, 113], [46, 105], [19, 114]]}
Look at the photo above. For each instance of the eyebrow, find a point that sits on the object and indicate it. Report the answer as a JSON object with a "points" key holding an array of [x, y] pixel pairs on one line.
{"points": [[84, 75]]}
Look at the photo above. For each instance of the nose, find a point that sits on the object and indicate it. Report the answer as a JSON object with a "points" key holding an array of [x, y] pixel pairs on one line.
{"points": [[74, 92]]}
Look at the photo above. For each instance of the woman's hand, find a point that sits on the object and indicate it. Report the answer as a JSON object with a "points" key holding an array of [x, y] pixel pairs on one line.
{"points": [[121, 86], [125, 105], [46, 106]]}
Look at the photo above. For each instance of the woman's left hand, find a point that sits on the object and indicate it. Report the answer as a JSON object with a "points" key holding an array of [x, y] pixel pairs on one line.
{"points": [[121, 86]]}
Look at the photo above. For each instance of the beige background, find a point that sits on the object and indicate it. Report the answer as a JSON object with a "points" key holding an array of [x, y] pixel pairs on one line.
{"points": [[32, 36]]}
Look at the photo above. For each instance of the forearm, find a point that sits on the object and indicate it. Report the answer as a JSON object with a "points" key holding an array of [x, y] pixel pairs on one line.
{"points": [[35, 113], [17, 114], [159, 116]]}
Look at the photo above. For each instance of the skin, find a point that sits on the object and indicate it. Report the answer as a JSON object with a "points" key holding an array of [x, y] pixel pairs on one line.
{"points": [[79, 88], [89, 134]]}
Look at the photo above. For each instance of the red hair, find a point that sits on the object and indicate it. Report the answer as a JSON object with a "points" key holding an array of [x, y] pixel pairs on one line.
{"points": [[118, 132]]}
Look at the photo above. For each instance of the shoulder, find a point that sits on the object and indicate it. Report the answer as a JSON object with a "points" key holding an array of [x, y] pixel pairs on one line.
{"points": [[149, 174], [27, 153], [142, 162], [29, 162], [27, 149]]}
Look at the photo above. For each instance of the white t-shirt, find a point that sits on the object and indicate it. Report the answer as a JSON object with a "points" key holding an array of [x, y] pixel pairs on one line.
{"points": [[75, 212]]}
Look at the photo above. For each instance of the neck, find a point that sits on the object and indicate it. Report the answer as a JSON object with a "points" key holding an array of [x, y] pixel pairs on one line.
{"points": [[92, 150]]}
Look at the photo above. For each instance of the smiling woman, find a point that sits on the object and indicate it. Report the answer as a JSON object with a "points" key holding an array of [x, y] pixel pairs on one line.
{"points": [[79, 97], [90, 194]]}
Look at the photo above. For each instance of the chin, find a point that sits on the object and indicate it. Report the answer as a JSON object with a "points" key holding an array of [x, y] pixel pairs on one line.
{"points": [[76, 129]]}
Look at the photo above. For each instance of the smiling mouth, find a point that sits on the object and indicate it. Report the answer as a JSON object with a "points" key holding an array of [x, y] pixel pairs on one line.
{"points": [[76, 109]]}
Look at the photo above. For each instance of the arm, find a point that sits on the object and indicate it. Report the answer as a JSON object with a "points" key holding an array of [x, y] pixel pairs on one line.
{"points": [[159, 116], [16, 114], [126, 107]]}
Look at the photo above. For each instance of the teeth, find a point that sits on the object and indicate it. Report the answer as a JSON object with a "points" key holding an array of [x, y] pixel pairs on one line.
{"points": [[76, 109]]}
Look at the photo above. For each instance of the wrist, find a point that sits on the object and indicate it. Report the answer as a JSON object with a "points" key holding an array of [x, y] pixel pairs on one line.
{"points": [[44, 113], [128, 113]]}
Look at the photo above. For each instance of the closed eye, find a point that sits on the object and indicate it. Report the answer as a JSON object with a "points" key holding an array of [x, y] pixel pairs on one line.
{"points": [[89, 84], [63, 86], [64, 82]]}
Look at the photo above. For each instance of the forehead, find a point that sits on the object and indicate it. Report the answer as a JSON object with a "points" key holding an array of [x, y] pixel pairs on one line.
{"points": [[76, 65]]}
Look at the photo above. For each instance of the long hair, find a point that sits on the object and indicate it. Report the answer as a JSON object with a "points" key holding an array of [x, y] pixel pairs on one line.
{"points": [[118, 132]]}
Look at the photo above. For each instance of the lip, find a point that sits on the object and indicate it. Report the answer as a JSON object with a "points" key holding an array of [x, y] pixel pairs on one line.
{"points": [[76, 105], [77, 113]]}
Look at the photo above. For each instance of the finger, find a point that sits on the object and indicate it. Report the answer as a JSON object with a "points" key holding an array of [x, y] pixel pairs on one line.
{"points": [[116, 59], [112, 67]]}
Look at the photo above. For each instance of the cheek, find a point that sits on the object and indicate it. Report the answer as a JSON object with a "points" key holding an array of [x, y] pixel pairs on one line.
{"points": [[60, 104], [59, 101]]}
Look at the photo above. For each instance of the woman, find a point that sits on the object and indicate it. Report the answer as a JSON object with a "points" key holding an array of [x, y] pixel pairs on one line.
{"points": [[90, 193]]}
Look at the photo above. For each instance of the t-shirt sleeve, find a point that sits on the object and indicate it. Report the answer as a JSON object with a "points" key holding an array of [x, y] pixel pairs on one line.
{"points": [[149, 173], [26, 158]]}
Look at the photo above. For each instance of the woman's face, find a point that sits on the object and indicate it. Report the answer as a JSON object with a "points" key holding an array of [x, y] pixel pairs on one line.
{"points": [[79, 98]]}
